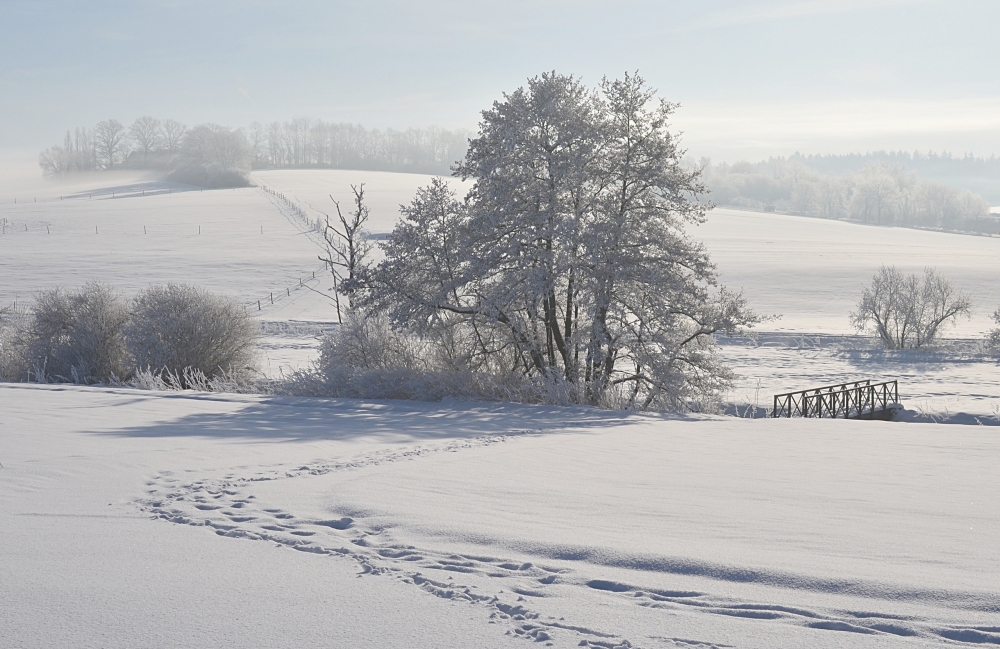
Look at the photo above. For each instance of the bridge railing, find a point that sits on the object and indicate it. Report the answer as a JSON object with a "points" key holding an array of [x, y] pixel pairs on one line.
{"points": [[859, 399]]}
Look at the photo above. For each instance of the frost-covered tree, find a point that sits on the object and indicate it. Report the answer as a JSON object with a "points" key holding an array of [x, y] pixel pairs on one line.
{"points": [[56, 160], [908, 311], [568, 261]]}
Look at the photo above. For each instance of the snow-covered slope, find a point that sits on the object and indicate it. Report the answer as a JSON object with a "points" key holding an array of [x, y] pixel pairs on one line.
{"points": [[812, 271]]}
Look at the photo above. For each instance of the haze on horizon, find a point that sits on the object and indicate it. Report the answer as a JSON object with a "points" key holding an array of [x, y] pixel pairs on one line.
{"points": [[753, 79]]}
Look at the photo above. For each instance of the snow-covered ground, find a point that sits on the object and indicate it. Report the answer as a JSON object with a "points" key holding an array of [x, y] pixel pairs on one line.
{"points": [[812, 271], [138, 519], [135, 519]]}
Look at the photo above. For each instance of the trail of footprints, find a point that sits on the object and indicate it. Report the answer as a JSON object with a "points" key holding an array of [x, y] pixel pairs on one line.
{"points": [[227, 507]]}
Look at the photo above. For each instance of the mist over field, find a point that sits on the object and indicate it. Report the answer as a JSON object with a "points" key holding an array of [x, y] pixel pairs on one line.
{"points": [[573, 324]]}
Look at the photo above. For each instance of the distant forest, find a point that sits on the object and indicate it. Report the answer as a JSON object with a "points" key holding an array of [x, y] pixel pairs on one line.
{"points": [[150, 143], [879, 188], [979, 175]]}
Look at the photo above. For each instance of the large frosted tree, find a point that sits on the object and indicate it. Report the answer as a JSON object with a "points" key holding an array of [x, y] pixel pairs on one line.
{"points": [[568, 262]]}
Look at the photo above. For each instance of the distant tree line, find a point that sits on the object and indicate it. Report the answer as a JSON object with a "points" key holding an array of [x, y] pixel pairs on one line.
{"points": [[313, 143], [977, 174], [879, 193], [219, 156], [109, 145]]}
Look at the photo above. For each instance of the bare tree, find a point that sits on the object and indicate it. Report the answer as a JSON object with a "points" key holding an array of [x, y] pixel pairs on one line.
{"points": [[173, 135], [909, 311], [347, 247], [56, 161], [109, 140], [257, 139], [145, 132]]}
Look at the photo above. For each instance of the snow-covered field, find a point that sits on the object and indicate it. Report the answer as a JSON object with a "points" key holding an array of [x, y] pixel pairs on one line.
{"points": [[138, 519]]}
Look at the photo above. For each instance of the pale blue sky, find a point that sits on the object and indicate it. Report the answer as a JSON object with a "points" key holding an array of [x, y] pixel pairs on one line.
{"points": [[754, 78]]}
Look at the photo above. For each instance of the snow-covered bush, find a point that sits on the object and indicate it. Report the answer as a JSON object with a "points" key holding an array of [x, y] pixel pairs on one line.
{"points": [[179, 327], [75, 336], [178, 337], [909, 312], [366, 358]]}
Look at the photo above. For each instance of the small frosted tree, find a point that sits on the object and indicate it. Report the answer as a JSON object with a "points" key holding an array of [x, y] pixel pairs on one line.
{"points": [[908, 311]]}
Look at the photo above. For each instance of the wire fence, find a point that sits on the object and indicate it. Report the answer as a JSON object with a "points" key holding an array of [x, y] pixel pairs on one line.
{"points": [[275, 299], [311, 282]]}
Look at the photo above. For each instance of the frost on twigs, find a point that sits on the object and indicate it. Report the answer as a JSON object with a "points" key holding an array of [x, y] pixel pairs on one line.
{"points": [[565, 273], [193, 379], [909, 312]]}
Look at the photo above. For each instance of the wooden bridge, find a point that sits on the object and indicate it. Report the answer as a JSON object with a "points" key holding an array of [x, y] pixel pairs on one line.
{"points": [[858, 400]]}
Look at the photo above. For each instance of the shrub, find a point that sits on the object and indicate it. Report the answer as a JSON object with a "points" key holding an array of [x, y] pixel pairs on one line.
{"points": [[179, 327], [365, 358], [178, 336], [74, 336], [993, 340], [909, 311]]}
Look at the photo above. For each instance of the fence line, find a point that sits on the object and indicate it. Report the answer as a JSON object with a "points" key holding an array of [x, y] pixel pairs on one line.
{"points": [[275, 298]]}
